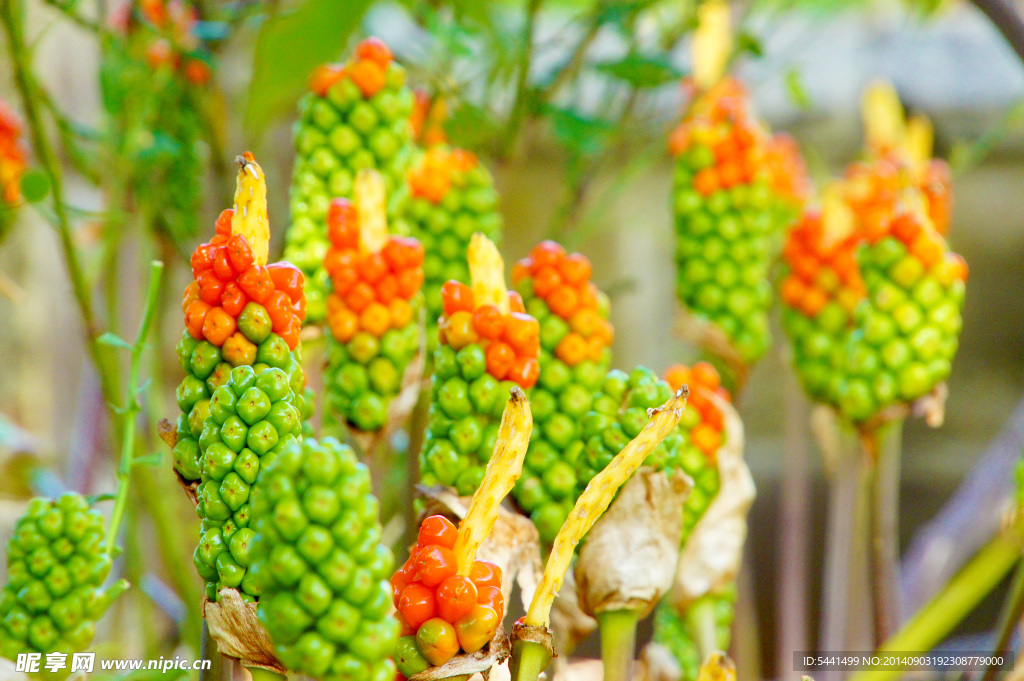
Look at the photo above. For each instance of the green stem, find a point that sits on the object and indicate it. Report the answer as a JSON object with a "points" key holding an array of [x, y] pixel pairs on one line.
{"points": [[883, 450], [131, 407], [1008, 619], [700, 619], [529, 659], [618, 643], [513, 127], [933, 622]]}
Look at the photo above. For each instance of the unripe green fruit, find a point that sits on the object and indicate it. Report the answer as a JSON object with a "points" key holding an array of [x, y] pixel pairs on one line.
{"points": [[252, 418], [205, 372], [57, 563], [320, 566], [678, 633]]}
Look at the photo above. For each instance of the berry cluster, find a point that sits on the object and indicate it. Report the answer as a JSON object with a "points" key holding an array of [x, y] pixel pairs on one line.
{"points": [[56, 565], [321, 567], [170, 36], [875, 188], [820, 288], [237, 313], [482, 354], [453, 197], [908, 332], [227, 279], [356, 116], [252, 418], [575, 335], [441, 611], [680, 634], [372, 317], [736, 190]]}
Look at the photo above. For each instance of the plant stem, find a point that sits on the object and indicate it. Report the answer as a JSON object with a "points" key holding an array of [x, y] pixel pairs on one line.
{"points": [[513, 127], [700, 620], [795, 511], [1008, 618], [883, 451], [529, 659], [618, 643], [261, 674], [131, 407], [844, 557], [960, 596]]}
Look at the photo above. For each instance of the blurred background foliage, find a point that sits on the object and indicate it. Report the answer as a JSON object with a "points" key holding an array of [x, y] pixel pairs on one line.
{"points": [[139, 107]]}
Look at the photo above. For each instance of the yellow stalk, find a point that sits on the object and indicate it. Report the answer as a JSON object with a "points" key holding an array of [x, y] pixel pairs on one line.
{"points": [[371, 208], [250, 219], [487, 273], [884, 123], [595, 500], [503, 469], [712, 43], [836, 217], [918, 144]]}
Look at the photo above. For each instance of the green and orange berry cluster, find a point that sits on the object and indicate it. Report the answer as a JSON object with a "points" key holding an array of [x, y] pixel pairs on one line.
{"points": [[441, 611], [820, 288], [452, 197], [171, 40], [483, 351], [13, 160], [737, 188], [373, 317], [575, 355], [356, 116]]}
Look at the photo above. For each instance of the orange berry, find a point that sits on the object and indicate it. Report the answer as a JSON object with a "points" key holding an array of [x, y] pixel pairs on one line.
{"points": [[522, 332], [409, 282], [927, 248], [375, 50], [572, 349], [372, 267], [343, 322], [195, 318], [524, 371], [375, 319], [575, 269], [341, 224], [545, 280], [706, 439], [218, 326], [488, 321], [547, 253], [459, 330], [705, 374], [677, 376], [368, 75], [515, 302], [564, 301], [500, 357], [359, 296], [401, 312], [456, 296], [792, 291], [706, 181], [233, 300], [190, 294], [387, 289]]}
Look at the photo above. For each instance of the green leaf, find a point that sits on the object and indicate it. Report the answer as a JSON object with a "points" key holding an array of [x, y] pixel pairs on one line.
{"points": [[151, 460], [94, 499], [578, 133], [288, 48], [114, 340], [35, 185], [640, 71], [795, 88], [749, 43]]}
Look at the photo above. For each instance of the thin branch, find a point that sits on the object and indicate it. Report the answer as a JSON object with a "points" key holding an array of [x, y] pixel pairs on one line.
{"points": [[1005, 18]]}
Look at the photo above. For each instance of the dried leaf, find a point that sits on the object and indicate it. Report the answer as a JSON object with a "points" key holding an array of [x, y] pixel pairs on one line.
{"points": [[236, 629], [513, 544], [491, 655], [712, 553], [629, 558]]}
